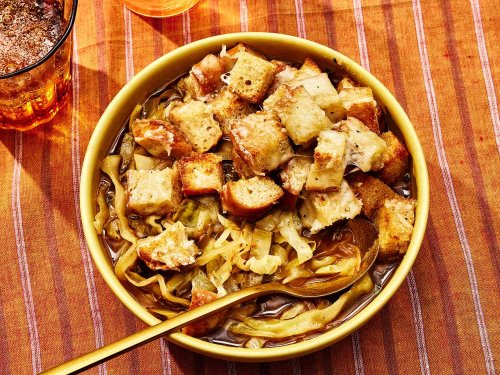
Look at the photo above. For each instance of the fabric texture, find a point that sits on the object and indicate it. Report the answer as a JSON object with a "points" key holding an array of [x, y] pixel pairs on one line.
{"points": [[439, 58]]}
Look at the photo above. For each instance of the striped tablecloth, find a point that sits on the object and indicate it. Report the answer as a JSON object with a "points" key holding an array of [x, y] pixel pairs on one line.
{"points": [[441, 59]]}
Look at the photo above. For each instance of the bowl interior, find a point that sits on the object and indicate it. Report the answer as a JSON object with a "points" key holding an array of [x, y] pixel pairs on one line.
{"points": [[177, 63]]}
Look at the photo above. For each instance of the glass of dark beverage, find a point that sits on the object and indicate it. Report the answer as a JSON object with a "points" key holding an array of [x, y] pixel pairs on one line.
{"points": [[35, 60]]}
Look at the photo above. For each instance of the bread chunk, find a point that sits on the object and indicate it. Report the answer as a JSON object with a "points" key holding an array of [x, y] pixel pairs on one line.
{"points": [[228, 107], [169, 250], [345, 83], [153, 192], [324, 94], [371, 191], [250, 198], [241, 168], [196, 122], [161, 138], [396, 159], [365, 149], [207, 74], [358, 102], [201, 174], [299, 113], [241, 47], [251, 77], [327, 171], [308, 69], [321, 210], [294, 175], [394, 220], [261, 142]]}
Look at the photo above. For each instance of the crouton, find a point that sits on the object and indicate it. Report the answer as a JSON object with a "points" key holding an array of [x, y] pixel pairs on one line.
{"points": [[371, 191], [320, 210], [394, 220], [358, 102], [200, 297], [207, 74], [168, 250], [285, 73], [250, 198], [365, 149], [294, 175], [196, 121], [324, 94], [396, 159], [239, 165], [241, 47], [201, 174], [302, 117], [251, 77], [261, 141], [308, 69], [161, 138], [228, 107], [345, 83], [329, 162], [153, 192]]}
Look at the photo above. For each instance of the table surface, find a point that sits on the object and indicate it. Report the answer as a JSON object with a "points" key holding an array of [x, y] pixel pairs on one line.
{"points": [[441, 59]]}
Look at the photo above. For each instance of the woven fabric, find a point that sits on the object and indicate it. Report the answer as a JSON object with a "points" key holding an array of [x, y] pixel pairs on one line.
{"points": [[441, 59]]}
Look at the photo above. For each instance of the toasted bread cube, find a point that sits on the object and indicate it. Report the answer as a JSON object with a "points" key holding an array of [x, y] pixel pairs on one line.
{"points": [[239, 165], [207, 74], [324, 94], [201, 174], [302, 117], [365, 149], [345, 83], [308, 69], [161, 138], [250, 198], [371, 191], [168, 250], [251, 77], [396, 159], [261, 141], [394, 220], [294, 175], [241, 47], [321, 210], [327, 172], [285, 74], [200, 297], [228, 107], [153, 192], [196, 121], [358, 102]]}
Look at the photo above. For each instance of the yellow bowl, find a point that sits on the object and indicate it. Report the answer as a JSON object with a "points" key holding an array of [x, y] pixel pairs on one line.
{"points": [[178, 62]]}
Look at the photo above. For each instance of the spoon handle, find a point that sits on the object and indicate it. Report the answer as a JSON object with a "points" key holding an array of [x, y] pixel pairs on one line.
{"points": [[110, 351]]}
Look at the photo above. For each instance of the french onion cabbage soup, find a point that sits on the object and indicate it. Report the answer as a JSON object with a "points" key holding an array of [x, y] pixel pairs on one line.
{"points": [[248, 170]]}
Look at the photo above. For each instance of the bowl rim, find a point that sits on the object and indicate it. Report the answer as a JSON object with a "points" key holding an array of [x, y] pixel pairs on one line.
{"points": [[101, 259]]}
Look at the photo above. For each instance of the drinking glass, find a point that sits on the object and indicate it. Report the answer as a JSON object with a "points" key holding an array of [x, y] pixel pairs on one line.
{"points": [[32, 95], [159, 8]]}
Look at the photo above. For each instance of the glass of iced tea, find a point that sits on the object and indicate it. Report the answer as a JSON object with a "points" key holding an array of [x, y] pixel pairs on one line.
{"points": [[35, 60], [159, 8]]}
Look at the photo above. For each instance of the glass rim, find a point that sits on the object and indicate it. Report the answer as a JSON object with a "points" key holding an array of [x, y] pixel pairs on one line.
{"points": [[56, 46]]}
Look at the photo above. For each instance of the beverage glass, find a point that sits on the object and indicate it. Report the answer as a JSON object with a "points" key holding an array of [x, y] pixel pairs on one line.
{"points": [[159, 8], [34, 82]]}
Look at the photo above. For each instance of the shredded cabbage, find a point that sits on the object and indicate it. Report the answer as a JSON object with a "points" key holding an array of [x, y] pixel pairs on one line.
{"points": [[267, 265], [290, 234]]}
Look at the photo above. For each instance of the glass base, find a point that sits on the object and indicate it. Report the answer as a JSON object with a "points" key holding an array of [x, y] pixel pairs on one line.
{"points": [[159, 8]]}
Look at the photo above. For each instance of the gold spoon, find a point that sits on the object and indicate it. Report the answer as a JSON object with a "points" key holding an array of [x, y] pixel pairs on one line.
{"points": [[364, 234]]}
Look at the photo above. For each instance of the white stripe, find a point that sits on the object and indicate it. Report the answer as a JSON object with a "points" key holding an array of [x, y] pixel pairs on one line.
{"points": [[450, 190], [166, 363], [186, 27], [359, 366], [419, 325], [244, 15], [485, 65], [301, 24], [36, 361], [296, 367], [360, 29], [129, 48], [75, 161]]}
